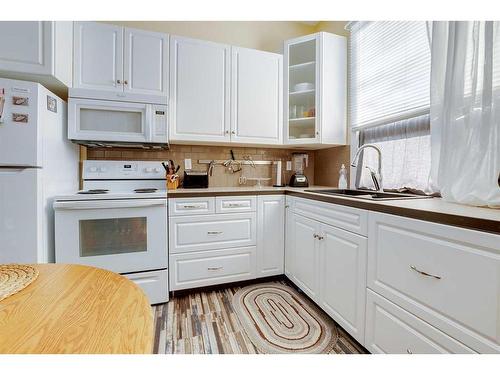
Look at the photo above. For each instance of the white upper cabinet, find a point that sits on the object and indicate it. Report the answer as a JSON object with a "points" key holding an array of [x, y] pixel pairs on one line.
{"points": [[37, 50], [199, 90], [315, 90], [98, 56], [145, 62], [223, 94], [256, 96], [116, 63]]}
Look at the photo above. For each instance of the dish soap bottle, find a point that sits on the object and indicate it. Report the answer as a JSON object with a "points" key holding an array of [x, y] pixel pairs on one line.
{"points": [[343, 177]]}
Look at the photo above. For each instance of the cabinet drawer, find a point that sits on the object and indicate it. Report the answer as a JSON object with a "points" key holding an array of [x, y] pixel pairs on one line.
{"points": [[449, 277], [348, 218], [392, 330], [211, 267], [191, 206], [153, 283], [236, 204], [212, 232]]}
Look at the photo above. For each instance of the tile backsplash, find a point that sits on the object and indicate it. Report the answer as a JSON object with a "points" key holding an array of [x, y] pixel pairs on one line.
{"points": [[221, 176]]}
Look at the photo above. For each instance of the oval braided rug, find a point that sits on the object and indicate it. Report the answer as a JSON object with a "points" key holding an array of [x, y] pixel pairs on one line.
{"points": [[278, 319], [14, 278]]}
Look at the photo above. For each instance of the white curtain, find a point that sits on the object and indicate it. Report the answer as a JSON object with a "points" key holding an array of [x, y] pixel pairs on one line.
{"points": [[406, 155], [465, 111]]}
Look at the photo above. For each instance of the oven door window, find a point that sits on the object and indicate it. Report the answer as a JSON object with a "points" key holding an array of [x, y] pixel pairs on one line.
{"points": [[113, 236]]}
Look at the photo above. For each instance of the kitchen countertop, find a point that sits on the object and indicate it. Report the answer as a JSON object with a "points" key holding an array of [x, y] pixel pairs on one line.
{"points": [[433, 209], [76, 309]]}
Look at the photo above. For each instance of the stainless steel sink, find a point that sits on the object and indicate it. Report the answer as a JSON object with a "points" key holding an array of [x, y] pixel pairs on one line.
{"points": [[368, 194]]}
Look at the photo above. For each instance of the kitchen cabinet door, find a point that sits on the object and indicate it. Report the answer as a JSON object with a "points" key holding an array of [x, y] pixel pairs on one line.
{"points": [[145, 62], [26, 47], [98, 56], [39, 51], [256, 96], [305, 255], [289, 201], [342, 273], [199, 90], [270, 235]]}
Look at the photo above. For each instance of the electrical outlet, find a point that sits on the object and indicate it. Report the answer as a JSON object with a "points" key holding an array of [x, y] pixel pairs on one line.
{"points": [[187, 164], [288, 165]]}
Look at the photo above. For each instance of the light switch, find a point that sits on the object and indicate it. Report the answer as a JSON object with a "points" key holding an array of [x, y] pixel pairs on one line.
{"points": [[187, 164], [288, 165]]}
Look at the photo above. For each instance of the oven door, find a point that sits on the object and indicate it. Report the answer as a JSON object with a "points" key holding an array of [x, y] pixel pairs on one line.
{"points": [[123, 236]]}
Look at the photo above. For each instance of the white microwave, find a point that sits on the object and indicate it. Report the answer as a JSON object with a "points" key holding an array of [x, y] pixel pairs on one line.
{"points": [[95, 122]]}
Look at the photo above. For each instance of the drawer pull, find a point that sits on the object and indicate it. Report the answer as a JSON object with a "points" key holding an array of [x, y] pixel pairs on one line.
{"points": [[234, 205], [192, 206], [214, 233], [315, 235], [215, 268], [425, 273], [409, 351]]}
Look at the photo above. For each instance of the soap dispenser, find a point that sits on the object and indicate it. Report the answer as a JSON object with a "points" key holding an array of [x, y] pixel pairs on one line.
{"points": [[343, 177]]}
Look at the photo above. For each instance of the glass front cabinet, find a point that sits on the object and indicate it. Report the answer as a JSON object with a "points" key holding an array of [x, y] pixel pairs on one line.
{"points": [[315, 90]]}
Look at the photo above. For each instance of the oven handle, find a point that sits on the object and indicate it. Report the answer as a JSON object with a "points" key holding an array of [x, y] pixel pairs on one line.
{"points": [[98, 204]]}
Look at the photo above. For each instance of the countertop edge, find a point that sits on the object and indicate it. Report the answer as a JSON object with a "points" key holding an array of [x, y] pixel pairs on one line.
{"points": [[466, 222]]}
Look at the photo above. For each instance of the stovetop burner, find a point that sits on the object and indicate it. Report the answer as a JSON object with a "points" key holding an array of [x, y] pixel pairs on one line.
{"points": [[146, 190], [94, 191]]}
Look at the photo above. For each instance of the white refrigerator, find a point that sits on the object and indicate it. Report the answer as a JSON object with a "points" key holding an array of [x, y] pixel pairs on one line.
{"points": [[37, 162]]}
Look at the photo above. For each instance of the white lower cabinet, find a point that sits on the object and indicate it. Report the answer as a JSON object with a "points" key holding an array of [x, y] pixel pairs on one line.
{"points": [[342, 275], [270, 235], [390, 329], [304, 255], [218, 240], [214, 267], [446, 276], [329, 265]]}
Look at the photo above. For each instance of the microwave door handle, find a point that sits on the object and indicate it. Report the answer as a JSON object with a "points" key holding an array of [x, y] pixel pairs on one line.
{"points": [[148, 123], [103, 204]]}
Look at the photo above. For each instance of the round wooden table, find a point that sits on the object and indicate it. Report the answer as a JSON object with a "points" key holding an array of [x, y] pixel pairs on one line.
{"points": [[76, 309]]}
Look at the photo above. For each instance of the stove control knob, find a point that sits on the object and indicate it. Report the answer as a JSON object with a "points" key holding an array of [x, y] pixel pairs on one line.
{"points": [[93, 169], [149, 170]]}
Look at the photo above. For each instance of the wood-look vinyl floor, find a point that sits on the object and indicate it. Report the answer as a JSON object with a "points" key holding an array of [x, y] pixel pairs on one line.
{"points": [[205, 323]]}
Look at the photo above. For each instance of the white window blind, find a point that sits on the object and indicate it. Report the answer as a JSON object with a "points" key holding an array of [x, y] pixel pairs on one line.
{"points": [[389, 72]]}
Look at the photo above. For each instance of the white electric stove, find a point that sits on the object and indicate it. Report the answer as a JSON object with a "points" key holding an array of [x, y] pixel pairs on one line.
{"points": [[118, 222]]}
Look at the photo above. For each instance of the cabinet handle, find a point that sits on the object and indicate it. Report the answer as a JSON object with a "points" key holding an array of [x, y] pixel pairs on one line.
{"points": [[287, 206], [215, 268], [233, 132], [235, 205], [409, 351], [125, 82], [118, 81], [315, 235], [226, 132], [425, 273], [212, 233], [191, 206], [321, 238]]}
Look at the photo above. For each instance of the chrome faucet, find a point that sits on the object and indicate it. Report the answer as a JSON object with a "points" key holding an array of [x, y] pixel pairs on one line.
{"points": [[376, 177]]}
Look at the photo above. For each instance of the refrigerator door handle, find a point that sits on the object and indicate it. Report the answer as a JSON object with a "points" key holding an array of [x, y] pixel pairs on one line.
{"points": [[17, 167]]}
